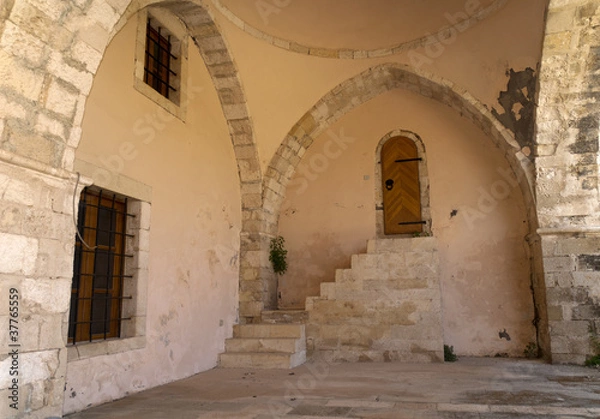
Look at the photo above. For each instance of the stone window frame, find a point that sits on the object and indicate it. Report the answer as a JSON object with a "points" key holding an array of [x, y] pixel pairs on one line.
{"points": [[93, 202], [133, 331], [170, 25], [423, 182]]}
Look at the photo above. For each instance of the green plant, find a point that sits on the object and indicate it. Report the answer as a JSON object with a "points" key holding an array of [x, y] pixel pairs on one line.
{"points": [[594, 361], [277, 255], [449, 355], [531, 351]]}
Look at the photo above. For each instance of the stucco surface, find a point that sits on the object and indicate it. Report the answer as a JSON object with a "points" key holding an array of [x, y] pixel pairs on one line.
{"points": [[329, 213], [195, 224], [475, 59]]}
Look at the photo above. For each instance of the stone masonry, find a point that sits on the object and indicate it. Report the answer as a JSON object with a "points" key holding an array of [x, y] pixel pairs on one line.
{"points": [[49, 53], [568, 202], [387, 307], [363, 87]]}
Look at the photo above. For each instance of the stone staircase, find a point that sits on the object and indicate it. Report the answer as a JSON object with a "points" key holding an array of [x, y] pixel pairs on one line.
{"points": [[386, 307], [279, 341]]}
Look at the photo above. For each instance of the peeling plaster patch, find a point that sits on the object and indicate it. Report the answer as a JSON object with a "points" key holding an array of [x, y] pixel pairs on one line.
{"points": [[504, 335], [517, 102]]}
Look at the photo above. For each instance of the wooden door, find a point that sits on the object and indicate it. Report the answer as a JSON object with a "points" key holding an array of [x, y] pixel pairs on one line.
{"points": [[401, 189]]}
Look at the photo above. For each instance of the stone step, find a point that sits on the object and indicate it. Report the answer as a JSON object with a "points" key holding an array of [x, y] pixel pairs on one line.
{"points": [[283, 345], [262, 330], [327, 290], [270, 360], [284, 316], [417, 244]]}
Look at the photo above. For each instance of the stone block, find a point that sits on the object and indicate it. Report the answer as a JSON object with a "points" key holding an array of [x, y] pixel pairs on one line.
{"points": [[559, 264], [574, 359], [32, 19], [569, 328], [213, 43], [572, 295], [61, 99], [250, 201], [387, 286], [555, 313], [90, 33], [327, 290], [251, 308], [119, 5], [586, 279], [249, 170], [36, 147], [51, 333], [18, 254], [11, 109], [589, 262], [586, 312], [103, 14], [23, 45], [81, 80], [17, 77], [50, 126], [46, 295], [16, 191], [559, 280]]}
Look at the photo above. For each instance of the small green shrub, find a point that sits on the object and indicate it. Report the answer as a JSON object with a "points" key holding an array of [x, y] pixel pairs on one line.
{"points": [[593, 361], [277, 255], [449, 355], [531, 351]]}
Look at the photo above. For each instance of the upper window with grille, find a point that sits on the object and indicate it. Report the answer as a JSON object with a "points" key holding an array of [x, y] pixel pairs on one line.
{"points": [[161, 60], [158, 70]]}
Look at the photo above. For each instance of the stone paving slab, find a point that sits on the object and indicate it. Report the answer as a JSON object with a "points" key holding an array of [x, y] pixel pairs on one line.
{"points": [[482, 388]]}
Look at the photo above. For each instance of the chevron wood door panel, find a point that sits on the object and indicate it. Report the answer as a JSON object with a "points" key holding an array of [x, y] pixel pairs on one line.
{"points": [[401, 189]]}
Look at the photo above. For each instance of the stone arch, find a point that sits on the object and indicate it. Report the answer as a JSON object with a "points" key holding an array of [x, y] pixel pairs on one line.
{"points": [[58, 87], [353, 93], [367, 85], [70, 41], [444, 34], [423, 180]]}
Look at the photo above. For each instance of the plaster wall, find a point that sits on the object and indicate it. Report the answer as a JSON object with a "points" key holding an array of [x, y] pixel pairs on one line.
{"points": [[195, 224], [329, 213], [282, 84]]}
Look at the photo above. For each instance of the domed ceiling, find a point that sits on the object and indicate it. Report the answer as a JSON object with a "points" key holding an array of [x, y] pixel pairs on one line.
{"points": [[354, 24]]}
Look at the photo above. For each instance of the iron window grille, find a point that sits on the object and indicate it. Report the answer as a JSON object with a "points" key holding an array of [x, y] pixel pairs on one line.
{"points": [[98, 270], [157, 63]]}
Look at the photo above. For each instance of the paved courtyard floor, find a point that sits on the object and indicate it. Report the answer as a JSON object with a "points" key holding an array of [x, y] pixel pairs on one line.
{"points": [[470, 388]]}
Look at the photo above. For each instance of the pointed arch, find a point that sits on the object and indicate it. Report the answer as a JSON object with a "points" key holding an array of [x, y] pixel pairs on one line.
{"points": [[367, 85], [347, 96]]}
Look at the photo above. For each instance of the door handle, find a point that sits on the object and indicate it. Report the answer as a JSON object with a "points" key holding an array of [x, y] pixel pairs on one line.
{"points": [[389, 184]]}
